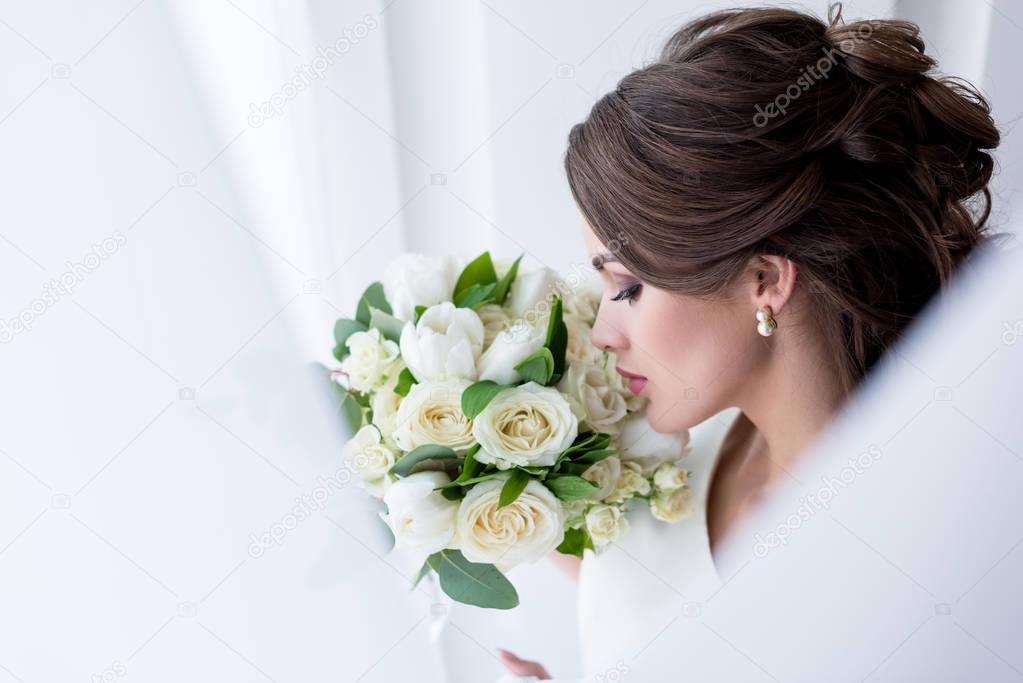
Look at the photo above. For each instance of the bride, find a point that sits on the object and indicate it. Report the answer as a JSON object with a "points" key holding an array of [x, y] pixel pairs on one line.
{"points": [[769, 205]]}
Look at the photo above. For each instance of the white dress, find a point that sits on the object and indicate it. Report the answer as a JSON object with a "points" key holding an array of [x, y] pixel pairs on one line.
{"points": [[634, 589]]}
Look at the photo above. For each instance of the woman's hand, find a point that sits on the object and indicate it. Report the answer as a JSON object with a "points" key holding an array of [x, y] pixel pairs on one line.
{"points": [[523, 667]]}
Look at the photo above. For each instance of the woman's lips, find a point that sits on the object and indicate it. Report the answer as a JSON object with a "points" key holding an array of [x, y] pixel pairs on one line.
{"points": [[636, 382]]}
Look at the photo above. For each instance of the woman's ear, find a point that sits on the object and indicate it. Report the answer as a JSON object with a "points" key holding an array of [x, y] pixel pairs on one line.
{"points": [[774, 280]]}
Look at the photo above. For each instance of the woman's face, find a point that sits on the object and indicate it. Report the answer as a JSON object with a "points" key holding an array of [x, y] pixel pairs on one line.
{"points": [[695, 353]]}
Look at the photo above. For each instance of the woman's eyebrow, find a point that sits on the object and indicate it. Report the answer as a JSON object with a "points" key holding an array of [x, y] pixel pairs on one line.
{"points": [[600, 259]]}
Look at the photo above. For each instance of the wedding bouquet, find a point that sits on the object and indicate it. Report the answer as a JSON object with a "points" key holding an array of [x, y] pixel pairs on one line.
{"points": [[490, 426]]}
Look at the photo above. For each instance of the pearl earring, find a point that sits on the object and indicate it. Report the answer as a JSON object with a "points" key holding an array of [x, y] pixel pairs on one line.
{"points": [[766, 324]]}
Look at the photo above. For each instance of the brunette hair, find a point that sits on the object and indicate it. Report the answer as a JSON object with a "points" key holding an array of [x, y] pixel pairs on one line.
{"points": [[769, 131]]}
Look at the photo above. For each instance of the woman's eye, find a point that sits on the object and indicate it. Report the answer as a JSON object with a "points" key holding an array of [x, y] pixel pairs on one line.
{"points": [[630, 294]]}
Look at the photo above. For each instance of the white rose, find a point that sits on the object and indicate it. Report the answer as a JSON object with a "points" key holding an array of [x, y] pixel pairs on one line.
{"points": [[432, 414], [495, 321], [413, 280], [421, 519], [605, 523], [670, 476], [630, 482], [372, 459], [523, 426], [521, 532], [639, 443], [529, 290], [446, 342], [604, 473], [384, 403], [673, 505], [510, 348], [592, 399], [372, 361], [580, 349], [583, 303]]}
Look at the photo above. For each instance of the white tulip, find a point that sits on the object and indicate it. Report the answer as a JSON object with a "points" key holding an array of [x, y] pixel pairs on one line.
{"points": [[521, 532], [510, 348], [412, 280], [523, 426], [445, 343], [421, 519], [529, 290], [638, 442], [431, 413]]}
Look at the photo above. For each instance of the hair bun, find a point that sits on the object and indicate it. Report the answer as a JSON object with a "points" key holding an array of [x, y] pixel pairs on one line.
{"points": [[889, 52]]}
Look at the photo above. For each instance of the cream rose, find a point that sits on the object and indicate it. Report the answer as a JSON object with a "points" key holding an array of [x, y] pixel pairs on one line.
{"points": [[580, 349], [421, 519], [372, 361], [446, 342], [630, 482], [592, 399], [604, 473], [606, 523], [639, 443], [672, 505], [584, 304], [495, 321], [372, 459], [432, 414], [521, 532], [413, 280], [526, 425]]}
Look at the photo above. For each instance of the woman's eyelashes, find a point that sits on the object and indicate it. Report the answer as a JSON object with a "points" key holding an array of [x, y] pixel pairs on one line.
{"points": [[630, 294]]}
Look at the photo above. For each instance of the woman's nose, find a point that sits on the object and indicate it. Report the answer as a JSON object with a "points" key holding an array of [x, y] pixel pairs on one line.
{"points": [[606, 336]]}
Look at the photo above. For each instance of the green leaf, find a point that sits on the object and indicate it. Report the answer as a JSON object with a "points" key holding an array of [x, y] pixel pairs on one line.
{"points": [[575, 541], [569, 467], [557, 339], [343, 329], [453, 493], [351, 413], [423, 571], [570, 487], [590, 457], [473, 480], [474, 583], [419, 313], [434, 562], [505, 283], [389, 326], [403, 467], [475, 296], [405, 382], [478, 396], [373, 296], [537, 367], [480, 271], [513, 486]]}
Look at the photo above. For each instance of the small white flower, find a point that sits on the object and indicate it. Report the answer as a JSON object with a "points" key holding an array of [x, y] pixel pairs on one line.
{"points": [[384, 403], [672, 505], [606, 523], [521, 532], [432, 414], [670, 476], [372, 361], [526, 425], [372, 459], [630, 482], [510, 348], [592, 399], [445, 343], [604, 473]]}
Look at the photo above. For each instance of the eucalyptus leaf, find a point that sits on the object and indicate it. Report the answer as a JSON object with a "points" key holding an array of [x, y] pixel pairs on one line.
{"points": [[343, 329], [389, 326], [373, 296], [351, 413], [474, 583], [403, 467]]}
